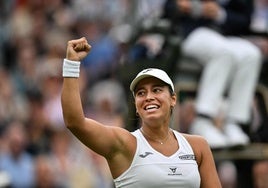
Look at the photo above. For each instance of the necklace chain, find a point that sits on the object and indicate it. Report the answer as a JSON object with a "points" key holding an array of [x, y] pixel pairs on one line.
{"points": [[156, 140]]}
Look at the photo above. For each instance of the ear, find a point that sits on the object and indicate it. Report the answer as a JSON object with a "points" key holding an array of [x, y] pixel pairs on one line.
{"points": [[173, 100]]}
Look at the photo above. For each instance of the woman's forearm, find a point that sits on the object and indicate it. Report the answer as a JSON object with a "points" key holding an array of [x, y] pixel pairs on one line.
{"points": [[71, 103]]}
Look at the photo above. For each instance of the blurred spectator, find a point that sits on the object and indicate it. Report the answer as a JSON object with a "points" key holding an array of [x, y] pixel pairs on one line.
{"points": [[259, 36], [108, 102], [15, 161], [51, 84], [211, 31], [13, 104], [76, 169], [101, 62], [24, 71], [259, 22], [60, 157], [260, 172], [44, 173], [185, 115], [227, 173], [38, 125]]}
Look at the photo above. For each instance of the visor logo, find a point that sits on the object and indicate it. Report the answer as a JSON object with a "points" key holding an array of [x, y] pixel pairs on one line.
{"points": [[146, 70]]}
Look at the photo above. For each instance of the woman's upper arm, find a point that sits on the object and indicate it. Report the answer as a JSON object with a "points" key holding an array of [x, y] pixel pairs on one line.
{"points": [[206, 163], [207, 167], [104, 140]]}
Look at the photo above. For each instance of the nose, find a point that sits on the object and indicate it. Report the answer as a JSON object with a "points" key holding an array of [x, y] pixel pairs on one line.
{"points": [[149, 96]]}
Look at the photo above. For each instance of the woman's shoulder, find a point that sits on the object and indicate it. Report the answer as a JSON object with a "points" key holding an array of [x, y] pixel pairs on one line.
{"points": [[199, 145], [196, 141], [194, 138]]}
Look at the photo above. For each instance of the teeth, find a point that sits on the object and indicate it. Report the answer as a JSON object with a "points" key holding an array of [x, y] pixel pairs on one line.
{"points": [[151, 107]]}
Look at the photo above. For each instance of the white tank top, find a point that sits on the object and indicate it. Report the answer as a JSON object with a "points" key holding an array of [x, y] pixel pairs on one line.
{"points": [[151, 169]]}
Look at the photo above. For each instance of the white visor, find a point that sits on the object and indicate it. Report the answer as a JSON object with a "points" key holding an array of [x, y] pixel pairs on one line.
{"points": [[151, 72]]}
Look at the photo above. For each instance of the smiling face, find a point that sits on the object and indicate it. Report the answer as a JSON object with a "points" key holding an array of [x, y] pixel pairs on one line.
{"points": [[153, 100]]}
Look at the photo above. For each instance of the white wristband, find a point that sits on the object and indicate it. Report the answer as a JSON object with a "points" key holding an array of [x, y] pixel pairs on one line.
{"points": [[70, 68]]}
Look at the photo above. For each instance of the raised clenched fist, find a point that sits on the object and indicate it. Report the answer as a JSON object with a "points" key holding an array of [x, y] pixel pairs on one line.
{"points": [[77, 49]]}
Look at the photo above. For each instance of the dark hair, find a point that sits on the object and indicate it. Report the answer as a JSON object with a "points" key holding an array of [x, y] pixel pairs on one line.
{"points": [[170, 90]]}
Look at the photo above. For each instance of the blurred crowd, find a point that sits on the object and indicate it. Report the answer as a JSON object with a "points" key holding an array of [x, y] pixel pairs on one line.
{"points": [[36, 150]]}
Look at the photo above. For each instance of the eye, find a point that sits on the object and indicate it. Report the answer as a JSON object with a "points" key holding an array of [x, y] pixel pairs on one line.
{"points": [[157, 89], [140, 93]]}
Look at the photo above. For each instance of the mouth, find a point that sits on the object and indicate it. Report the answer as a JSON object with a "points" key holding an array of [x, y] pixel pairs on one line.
{"points": [[151, 107]]}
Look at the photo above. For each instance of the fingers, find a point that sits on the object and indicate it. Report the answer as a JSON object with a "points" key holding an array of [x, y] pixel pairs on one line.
{"points": [[77, 49], [82, 47], [79, 45]]}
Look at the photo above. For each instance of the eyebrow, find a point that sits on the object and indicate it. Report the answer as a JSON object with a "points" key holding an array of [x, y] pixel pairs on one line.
{"points": [[155, 85]]}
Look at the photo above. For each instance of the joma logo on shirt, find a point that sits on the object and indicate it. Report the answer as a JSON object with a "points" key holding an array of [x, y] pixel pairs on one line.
{"points": [[145, 154]]}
